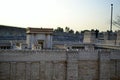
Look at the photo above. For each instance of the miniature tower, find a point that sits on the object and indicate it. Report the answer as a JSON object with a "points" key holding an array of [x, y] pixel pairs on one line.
{"points": [[89, 37]]}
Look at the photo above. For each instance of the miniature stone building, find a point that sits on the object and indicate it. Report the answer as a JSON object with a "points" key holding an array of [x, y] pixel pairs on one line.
{"points": [[39, 38], [118, 38], [89, 37]]}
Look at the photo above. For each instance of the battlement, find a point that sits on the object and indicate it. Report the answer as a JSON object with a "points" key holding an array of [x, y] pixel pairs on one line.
{"points": [[56, 54], [45, 50]]}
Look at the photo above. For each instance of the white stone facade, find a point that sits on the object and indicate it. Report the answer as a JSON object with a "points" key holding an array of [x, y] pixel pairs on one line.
{"points": [[59, 65], [89, 37], [42, 39]]}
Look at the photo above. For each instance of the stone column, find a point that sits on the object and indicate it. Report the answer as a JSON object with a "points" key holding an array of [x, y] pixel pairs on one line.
{"points": [[104, 65], [28, 70], [51, 41], [42, 70], [13, 71], [72, 65]]}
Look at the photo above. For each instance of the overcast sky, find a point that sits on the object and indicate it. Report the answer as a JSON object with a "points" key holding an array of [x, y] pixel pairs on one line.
{"points": [[76, 14]]}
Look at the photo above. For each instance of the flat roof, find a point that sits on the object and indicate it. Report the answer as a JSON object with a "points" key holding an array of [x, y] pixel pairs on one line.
{"points": [[40, 30]]}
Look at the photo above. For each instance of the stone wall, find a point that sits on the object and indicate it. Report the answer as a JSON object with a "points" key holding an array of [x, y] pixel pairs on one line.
{"points": [[59, 65]]}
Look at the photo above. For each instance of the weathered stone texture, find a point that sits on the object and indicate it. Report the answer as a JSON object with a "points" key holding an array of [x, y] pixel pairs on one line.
{"points": [[88, 70], [20, 72], [72, 65], [13, 70], [35, 73], [115, 70], [4, 71], [59, 65], [28, 70], [105, 66]]}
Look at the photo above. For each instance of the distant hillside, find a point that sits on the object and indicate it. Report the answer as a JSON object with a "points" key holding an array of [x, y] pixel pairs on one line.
{"points": [[17, 33], [63, 36], [10, 32]]}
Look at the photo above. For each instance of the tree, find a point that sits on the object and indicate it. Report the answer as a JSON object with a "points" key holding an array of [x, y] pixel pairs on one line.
{"points": [[59, 29], [71, 31], [67, 29], [77, 33], [96, 33], [117, 22]]}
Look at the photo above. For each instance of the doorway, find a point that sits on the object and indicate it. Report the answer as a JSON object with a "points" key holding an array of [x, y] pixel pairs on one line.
{"points": [[40, 42]]}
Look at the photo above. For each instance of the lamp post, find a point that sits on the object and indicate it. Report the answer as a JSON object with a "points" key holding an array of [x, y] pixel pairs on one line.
{"points": [[111, 17]]}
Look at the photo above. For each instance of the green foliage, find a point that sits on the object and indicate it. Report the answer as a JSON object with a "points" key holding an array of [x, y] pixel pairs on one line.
{"points": [[71, 31], [59, 29], [67, 29], [77, 33]]}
